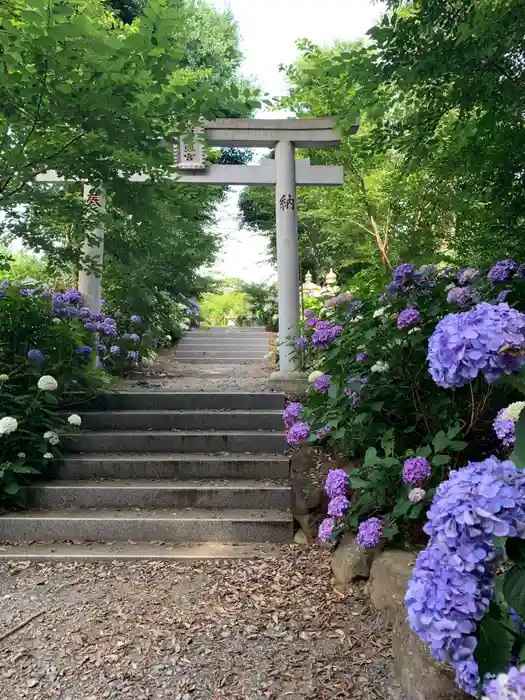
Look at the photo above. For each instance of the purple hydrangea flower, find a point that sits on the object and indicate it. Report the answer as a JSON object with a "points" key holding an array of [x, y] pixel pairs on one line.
{"points": [[135, 318], [325, 529], [416, 470], [89, 326], [73, 296], [503, 295], [132, 355], [354, 307], [133, 337], [84, 350], [97, 316], [322, 384], [298, 433], [27, 292], [392, 289], [403, 272], [324, 431], [360, 357], [291, 413], [114, 349], [506, 685], [59, 298], [505, 423], [520, 272], [338, 506], [101, 349], [336, 483], [408, 318], [85, 311], [462, 296], [502, 271], [108, 329], [35, 355], [354, 391], [325, 333], [369, 533], [469, 343], [308, 313], [311, 321], [453, 580], [467, 275], [301, 343]]}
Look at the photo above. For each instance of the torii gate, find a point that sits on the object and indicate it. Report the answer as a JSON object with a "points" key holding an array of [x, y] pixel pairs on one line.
{"points": [[285, 173]]}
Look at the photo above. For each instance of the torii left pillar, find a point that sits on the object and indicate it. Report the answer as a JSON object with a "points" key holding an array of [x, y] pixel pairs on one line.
{"points": [[90, 284]]}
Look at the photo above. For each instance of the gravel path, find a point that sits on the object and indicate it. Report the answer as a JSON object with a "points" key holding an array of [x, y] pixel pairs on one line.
{"points": [[241, 630], [167, 374]]}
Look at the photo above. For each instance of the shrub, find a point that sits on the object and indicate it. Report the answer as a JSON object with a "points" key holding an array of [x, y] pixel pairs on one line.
{"points": [[380, 402]]}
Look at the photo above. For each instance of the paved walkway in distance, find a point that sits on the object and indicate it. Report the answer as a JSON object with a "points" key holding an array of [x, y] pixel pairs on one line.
{"points": [[267, 629]]}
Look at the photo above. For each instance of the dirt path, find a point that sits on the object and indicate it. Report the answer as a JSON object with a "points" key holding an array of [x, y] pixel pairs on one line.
{"points": [[243, 630]]}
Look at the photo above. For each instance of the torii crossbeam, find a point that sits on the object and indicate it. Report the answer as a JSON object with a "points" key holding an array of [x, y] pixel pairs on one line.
{"points": [[283, 172]]}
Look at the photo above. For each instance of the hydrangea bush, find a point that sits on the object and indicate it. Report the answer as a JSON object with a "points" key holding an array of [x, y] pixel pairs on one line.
{"points": [[380, 372]]}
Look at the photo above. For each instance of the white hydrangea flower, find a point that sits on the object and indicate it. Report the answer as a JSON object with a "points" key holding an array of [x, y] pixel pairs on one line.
{"points": [[357, 318], [380, 367], [57, 320], [51, 437], [513, 411], [414, 330], [8, 425], [21, 455], [75, 420], [313, 376], [379, 312], [4, 377], [417, 495], [47, 455], [47, 383]]}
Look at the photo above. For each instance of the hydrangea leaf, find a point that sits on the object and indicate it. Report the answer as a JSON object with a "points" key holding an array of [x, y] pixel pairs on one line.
{"points": [[439, 460], [518, 454], [514, 589], [494, 646]]}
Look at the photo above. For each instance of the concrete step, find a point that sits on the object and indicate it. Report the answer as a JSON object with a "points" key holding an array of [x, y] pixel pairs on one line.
{"points": [[182, 420], [200, 494], [231, 330], [213, 352], [174, 466], [186, 401], [192, 360], [183, 441], [127, 551], [147, 526]]}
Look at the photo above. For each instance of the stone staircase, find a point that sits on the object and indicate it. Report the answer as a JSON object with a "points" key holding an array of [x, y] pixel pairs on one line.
{"points": [[162, 475], [217, 345]]}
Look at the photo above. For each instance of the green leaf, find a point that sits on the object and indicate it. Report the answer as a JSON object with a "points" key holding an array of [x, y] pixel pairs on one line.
{"points": [[457, 445], [11, 488], [440, 442], [514, 589], [425, 451], [453, 431], [391, 530], [333, 391], [494, 646], [518, 453], [357, 483], [339, 434], [515, 550], [439, 460], [401, 508], [370, 456]]}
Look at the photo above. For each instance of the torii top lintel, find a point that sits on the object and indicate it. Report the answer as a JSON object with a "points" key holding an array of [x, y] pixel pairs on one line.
{"points": [[265, 133]]}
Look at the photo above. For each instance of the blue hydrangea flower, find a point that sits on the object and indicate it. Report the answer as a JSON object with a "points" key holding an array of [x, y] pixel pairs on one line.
{"points": [[336, 483], [360, 357], [311, 321], [135, 318], [416, 470], [473, 342], [134, 337], [338, 506], [73, 296], [468, 275], [298, 433], [114, 349], [502, 271], [85, 311], [89, 326], [408, 318], [324, 431], [503, 295], [84, 350], [325, 333], [403, 272], [132, 355], [462, 296], [301, 343], [35, 355], [322, 384], [101, 349], [369, 533], [291, 413], [453, 579], [325, 529], [506, 686]]}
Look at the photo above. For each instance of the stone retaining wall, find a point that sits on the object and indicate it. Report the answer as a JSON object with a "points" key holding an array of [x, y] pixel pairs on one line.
{"points": [[420, 677]]}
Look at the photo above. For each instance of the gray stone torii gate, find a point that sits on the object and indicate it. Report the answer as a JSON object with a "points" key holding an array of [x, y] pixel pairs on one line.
{"points": [[285, 173]]}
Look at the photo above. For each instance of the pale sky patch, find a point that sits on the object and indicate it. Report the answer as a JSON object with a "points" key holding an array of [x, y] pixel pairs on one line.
{"points": [[269, 31]]}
